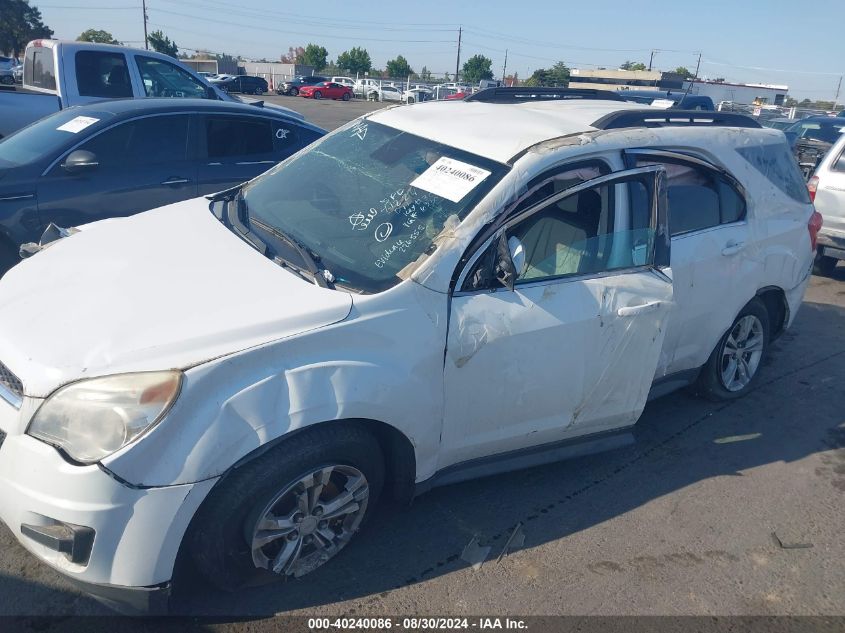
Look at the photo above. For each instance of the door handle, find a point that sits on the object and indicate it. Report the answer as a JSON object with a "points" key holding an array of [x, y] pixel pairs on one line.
{"points": [[733, 247], [640, 309], [175, 181]]}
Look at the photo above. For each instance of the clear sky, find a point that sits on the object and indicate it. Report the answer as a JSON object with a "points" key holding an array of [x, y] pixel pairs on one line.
{"points": [[744, 41]]}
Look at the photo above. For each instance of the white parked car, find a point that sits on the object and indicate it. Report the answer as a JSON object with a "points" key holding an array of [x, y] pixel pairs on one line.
{"points": [[411, 301], [417, 95], [384, 93], [343, 81], [827, 187]]}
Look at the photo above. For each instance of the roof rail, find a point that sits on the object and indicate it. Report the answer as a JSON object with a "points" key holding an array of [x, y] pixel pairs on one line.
{"points": [[526, 93], [651, 117]]}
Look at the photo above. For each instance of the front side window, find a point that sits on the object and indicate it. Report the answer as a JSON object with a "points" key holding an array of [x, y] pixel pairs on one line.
{"points": [[103, 75], [581, 234], [371, 200], [147, 141], [163, 79]]}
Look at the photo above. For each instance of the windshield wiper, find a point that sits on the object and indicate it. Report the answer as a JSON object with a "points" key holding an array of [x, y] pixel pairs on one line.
{"points": [[235, 214], [322, 277]]}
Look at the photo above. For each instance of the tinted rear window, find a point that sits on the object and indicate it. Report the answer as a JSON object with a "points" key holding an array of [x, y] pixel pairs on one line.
{"points": [[238, 136], [40, 72]]}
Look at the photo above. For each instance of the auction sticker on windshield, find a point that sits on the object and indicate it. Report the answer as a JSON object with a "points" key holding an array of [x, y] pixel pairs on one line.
{"points": [[77, 124], [450, 179]]}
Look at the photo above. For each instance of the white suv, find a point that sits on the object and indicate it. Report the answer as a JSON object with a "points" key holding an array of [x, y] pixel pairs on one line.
{"points": [[428, 294], [827, 187]]}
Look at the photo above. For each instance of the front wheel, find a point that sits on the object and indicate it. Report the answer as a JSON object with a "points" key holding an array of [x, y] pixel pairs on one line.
{"points": [[290, 510], [293, 92], [318, 94], [734, 366]]}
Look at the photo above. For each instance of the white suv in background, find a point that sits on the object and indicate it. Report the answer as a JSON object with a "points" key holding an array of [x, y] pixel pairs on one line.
{"points": [[428, 294], [827, 188]]}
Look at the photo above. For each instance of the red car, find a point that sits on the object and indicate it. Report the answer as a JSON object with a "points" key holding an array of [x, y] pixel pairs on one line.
{"points": [[326, 90], [458, 95]]}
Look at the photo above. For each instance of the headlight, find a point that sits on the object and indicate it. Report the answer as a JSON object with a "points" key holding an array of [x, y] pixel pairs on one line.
{"points": [[91, 419]]}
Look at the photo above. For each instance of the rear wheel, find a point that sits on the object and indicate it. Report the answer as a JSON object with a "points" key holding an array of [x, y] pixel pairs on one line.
{"points": [[410, 100], [290, 510], [318, 94], [734, 366], [259, 91], [346, 96], [824, 264]]}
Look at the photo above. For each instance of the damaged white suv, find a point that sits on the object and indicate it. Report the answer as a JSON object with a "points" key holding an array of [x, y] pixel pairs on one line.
{"points": [[431, 293]]}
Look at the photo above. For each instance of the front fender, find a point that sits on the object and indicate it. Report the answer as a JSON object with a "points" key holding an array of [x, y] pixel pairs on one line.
{"points": [[383, 363]]}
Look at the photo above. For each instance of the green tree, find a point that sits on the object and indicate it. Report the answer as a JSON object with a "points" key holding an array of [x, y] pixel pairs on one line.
{"points": [[556, 76], [97, 36], [399, 67], [476, 68], [425, 74], [355, 60], [20, 23], [683, 71], [629, 65], [162, 44], [315, 56]]}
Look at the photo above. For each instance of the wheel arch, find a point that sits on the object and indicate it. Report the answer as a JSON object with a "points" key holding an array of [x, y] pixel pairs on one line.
{"points": [[400, 460], [774, 299]]}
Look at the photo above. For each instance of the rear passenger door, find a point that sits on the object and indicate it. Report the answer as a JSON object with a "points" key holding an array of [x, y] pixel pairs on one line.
{"points": [[141, 164], [712, 269], [237, 148]]}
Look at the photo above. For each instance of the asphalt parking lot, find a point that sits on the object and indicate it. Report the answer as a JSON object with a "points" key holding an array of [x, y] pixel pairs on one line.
{"points": [[682, 522], [718, 509], [326, 113]]}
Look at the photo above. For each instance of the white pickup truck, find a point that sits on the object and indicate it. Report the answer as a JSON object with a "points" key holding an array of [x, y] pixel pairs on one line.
{"points": [[60, 74]]}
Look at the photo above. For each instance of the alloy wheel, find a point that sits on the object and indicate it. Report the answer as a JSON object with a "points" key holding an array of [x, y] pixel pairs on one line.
{"points": [[741, 353], [309, 521]]}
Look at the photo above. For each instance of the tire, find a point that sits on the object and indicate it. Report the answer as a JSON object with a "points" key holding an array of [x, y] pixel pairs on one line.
{"points": [[318, 94], [824, 265], [259, 91], [219, 539], [372, 96], [293, 92], [9, 81], [711, 382], [346, 96]]}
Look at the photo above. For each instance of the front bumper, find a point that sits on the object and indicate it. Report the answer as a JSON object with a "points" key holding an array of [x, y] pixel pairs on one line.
{"points": [[137, 531]]}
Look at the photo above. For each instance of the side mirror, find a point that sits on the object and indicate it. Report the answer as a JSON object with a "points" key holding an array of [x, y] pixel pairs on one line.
{"points": [[510, 260], [80, 161]]}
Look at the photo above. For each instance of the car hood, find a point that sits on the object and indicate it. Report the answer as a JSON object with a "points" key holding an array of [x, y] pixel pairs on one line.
{"points": [[169, 288]]}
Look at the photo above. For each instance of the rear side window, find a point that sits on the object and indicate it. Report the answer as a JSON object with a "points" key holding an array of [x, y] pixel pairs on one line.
{"points": [[101, 74], [238, 136], [163, 79], [40, 72], [151, 140], [698, 198], [776, 163]]}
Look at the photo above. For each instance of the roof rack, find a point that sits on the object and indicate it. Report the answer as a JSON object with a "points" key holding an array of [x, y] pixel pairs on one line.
{"points": [[651, 117], [523, 94]]}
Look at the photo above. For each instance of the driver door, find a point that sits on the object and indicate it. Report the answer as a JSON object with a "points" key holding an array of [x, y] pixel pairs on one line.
{"points": [[570, 348]]}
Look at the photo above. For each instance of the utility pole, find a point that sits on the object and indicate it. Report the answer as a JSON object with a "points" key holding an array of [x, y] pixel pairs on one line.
{"points": [[144, 7], [458, 61], [838, 86], [651, 59], [697, 66], [505, 67]]}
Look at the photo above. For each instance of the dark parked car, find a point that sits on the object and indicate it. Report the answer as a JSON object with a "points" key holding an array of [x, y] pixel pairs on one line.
{"points": [[678, 99], [292, 87], [811, 138], [246, 84], [117, 158], [778, 123]]}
